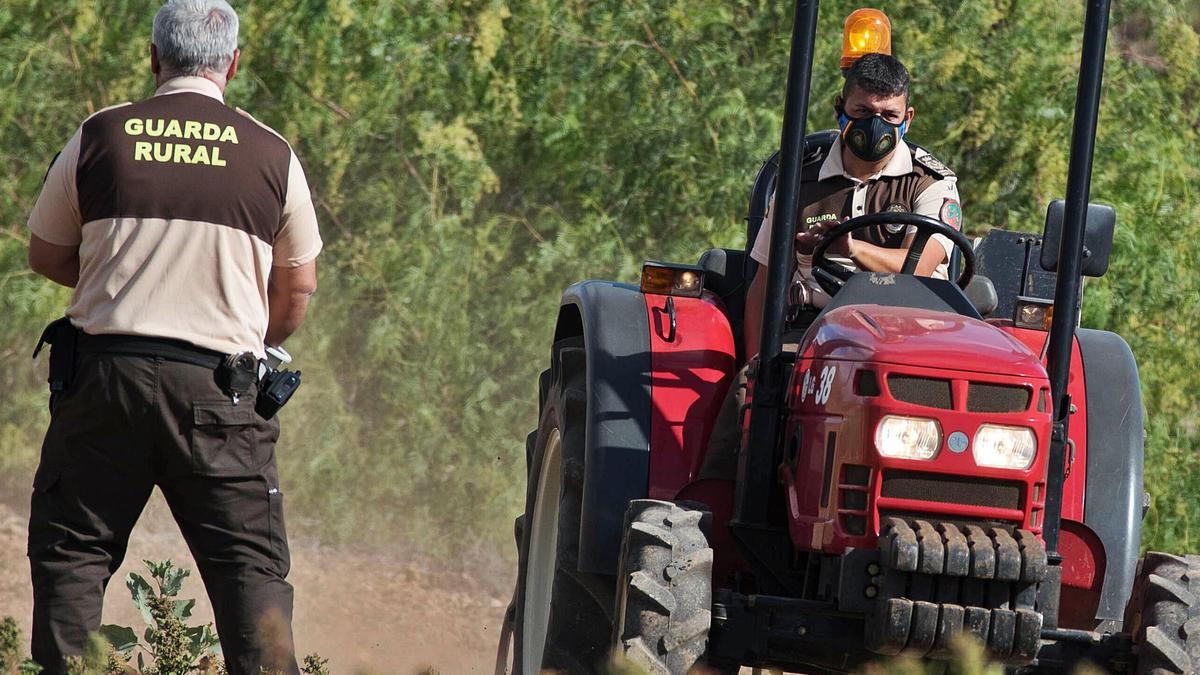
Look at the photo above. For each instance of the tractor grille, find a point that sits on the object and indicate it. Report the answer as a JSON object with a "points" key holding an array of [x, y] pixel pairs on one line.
{"points": [[997, 398], [982, 397], [946, 489], [927, 391]]}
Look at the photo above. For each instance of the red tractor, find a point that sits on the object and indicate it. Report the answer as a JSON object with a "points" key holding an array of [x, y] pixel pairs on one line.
{"points": [[938, 458]]}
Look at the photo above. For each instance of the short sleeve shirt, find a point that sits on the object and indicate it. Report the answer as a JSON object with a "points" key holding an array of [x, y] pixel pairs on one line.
{"points": [[912, 181], [180, 207]]}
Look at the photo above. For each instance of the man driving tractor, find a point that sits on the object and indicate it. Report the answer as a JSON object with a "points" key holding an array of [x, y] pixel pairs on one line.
{"points": [[868, 169]]}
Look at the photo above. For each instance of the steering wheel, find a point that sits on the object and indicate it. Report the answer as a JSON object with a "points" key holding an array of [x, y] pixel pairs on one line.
{"points": [[831, 275]]}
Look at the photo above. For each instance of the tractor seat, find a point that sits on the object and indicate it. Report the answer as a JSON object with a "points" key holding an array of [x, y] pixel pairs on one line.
{"points": [[902, 290], [725, 276]]}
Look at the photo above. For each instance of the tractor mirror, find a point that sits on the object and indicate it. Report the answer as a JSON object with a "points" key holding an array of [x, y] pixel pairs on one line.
{"points": [[1098, 229]]}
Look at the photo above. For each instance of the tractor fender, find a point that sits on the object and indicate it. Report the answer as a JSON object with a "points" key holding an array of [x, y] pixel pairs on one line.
{"points": [[1116, 436], [611, 317]]}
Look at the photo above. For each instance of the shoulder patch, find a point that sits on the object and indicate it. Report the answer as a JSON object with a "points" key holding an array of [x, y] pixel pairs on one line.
{"points": [[951, 213], [932, 164]]}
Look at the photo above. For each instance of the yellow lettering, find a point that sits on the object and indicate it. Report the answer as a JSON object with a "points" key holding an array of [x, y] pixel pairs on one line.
{"points": [[183, 154], [200, 155], [173, 130], [216, 157], [151, 130], [211, 131], [133, 126], [229, 136], [191, 130], [162, 152], [141, 150]]}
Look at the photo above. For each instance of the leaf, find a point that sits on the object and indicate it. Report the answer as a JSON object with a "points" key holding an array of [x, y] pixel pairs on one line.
{"points": [[28, 667], [183, 609], [141, 662], [172, 581], [122, 638], [141, 591], [203, 639]]}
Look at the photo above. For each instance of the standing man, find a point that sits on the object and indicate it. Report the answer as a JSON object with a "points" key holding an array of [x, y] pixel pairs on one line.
{"points": [[187, 230]]}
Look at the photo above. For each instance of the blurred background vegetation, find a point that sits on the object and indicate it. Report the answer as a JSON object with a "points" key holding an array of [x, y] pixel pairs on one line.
{"points": [[471, 158]]}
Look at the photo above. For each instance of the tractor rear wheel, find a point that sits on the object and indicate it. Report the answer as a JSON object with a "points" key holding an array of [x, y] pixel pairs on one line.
{"points": [[563, 616], [664, 601], [1166, 619]]}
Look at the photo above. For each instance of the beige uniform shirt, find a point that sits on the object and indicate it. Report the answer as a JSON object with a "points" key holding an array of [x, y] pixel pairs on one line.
{"points": [[180, 207], [912, 181]]}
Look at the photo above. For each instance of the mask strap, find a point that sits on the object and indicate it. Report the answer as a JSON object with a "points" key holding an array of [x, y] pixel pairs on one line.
{"points": [[842, 118]]}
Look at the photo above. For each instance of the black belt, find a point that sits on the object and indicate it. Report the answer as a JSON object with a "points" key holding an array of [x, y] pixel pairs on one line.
{"points": [[142, 345]]}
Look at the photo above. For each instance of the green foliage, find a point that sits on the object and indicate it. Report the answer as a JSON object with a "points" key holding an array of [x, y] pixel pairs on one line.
{"points": [[11, 661], [174, 648], [315, 665], [470, 159]]}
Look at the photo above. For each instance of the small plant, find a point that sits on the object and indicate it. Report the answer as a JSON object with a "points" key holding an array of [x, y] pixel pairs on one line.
{"points": [[174, 647], [315, 665], [11, 662]]}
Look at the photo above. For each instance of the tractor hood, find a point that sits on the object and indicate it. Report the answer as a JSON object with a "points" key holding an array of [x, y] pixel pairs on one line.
{"points": [[918, 337]]}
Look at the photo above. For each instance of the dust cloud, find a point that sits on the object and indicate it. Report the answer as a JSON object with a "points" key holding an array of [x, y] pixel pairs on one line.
{"points": [[377, 607]]}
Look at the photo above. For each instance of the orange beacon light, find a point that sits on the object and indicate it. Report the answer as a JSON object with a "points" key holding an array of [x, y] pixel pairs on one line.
{"points": [[867, 31]]}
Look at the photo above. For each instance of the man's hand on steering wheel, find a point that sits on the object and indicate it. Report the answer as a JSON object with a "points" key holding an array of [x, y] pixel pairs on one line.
{"points": [[830, 275], [807, 241]]}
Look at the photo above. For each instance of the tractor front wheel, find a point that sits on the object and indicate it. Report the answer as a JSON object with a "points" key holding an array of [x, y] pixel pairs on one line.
{"points": [[664, 601], [562, 619], [1166, 614]]}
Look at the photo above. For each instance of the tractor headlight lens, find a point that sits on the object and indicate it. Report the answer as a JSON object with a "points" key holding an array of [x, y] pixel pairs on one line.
{"points": [[1004, 447], [671, 279], [908, 437], [1033, 313]]}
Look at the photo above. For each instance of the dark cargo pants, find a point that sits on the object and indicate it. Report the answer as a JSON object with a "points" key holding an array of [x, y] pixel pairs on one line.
{"points": [[126, 424]]}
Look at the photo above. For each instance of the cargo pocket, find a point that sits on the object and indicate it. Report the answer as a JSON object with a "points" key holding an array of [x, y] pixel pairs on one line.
{"points": [[280, 554], [43, 508], [224, 439]]}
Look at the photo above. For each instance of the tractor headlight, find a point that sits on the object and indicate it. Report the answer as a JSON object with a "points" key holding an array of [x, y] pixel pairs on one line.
{"points": [[1033, 313], [908, 437], [1004, 447], [672, 279]]}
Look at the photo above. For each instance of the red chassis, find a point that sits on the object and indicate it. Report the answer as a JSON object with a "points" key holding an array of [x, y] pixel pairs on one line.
{"points": [[837, 486]]}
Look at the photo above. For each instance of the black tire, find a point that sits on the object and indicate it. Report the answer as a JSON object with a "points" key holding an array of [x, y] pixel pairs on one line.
{"points": [[1166, 614], [579, 620], [664, 602]]}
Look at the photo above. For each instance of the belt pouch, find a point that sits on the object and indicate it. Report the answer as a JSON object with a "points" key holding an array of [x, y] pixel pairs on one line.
{"points": [[63, 339]]}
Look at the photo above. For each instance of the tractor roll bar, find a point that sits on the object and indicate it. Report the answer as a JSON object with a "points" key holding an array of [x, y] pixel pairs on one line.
{"points": [[756, 467], [1070, 258]]}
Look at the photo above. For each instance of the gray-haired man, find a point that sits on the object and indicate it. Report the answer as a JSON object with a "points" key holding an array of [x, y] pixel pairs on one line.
{"points": [[187, 231]]}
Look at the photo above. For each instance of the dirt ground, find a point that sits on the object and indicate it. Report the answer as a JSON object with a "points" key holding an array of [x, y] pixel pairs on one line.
{"points": [[364, 610]]}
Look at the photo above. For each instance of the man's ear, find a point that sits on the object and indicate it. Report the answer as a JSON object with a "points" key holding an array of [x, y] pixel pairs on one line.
{"points": [[909, 115], [155, 64], [233, 65]]}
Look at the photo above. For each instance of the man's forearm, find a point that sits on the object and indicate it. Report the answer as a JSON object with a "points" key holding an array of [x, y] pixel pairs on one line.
{"points": [[868, 256], [288, 291], [65, 274], [286, 315]]}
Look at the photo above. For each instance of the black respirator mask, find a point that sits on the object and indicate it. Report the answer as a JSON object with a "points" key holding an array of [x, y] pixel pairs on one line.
{"points": [[869, 138]]}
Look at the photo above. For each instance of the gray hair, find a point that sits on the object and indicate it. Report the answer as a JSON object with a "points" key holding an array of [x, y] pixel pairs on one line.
{"points": [[195, 37]]}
